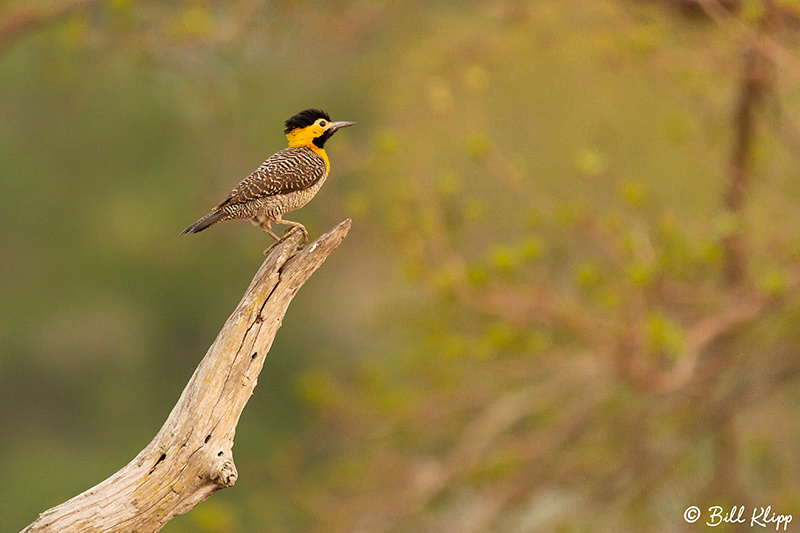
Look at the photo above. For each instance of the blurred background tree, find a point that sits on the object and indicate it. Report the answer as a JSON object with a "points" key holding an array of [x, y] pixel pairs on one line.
{"points": [[569, 298]]}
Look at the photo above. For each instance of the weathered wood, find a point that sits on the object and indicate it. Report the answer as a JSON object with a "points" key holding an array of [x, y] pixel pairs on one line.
{"points": [[190, 458]]}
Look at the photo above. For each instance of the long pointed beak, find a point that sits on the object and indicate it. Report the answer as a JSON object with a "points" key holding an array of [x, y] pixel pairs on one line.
{"points": [[338, 125]]}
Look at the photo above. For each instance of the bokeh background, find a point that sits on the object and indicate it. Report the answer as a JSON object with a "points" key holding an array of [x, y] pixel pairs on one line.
{"points": [[569, 301]]}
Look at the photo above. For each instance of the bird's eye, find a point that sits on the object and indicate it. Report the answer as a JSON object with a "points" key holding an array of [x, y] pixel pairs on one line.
{"points": [[322, 123]]}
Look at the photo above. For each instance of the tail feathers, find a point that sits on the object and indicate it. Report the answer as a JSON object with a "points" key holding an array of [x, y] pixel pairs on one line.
{"points": [[206, 222]]}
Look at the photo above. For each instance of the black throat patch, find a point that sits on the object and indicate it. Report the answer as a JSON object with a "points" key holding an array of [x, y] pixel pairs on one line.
{"points": [[319, 142]]}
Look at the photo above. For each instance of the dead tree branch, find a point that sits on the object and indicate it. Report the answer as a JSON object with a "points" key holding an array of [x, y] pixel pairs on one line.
{"points": [[190, 458]]}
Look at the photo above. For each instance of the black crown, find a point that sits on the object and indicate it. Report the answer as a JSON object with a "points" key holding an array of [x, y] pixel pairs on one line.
{"points": [[305, 118]]}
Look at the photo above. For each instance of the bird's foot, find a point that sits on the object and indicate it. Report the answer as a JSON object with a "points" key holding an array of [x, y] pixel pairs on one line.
{"points": [[304, 241], [286, 235]]}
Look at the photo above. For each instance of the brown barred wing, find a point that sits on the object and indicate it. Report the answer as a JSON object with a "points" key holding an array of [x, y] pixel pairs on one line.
{"points": [[291, 169]]}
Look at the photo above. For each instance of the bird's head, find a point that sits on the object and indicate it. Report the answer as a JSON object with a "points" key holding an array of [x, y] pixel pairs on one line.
{"points": [[312, 126]]}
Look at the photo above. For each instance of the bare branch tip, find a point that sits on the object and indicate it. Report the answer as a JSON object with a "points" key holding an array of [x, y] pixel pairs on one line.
{"points": [[338, 233]]}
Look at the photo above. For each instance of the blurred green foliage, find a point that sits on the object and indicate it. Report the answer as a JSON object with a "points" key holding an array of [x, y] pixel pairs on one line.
{"points": [[498, 345]]}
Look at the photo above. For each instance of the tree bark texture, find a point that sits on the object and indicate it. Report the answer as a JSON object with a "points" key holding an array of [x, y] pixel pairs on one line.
{"points": [[190, 458]]}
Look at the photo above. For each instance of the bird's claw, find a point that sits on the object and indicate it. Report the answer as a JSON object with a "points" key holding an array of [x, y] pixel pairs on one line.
{"points": [[270, 248], [300, 245], [304, 241]]}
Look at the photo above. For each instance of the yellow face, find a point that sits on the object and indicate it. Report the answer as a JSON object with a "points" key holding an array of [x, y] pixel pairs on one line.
{"points": [[305, 136]]}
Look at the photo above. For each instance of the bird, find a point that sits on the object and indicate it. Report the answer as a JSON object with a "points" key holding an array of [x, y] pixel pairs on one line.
{"points": [[286, 181]]}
